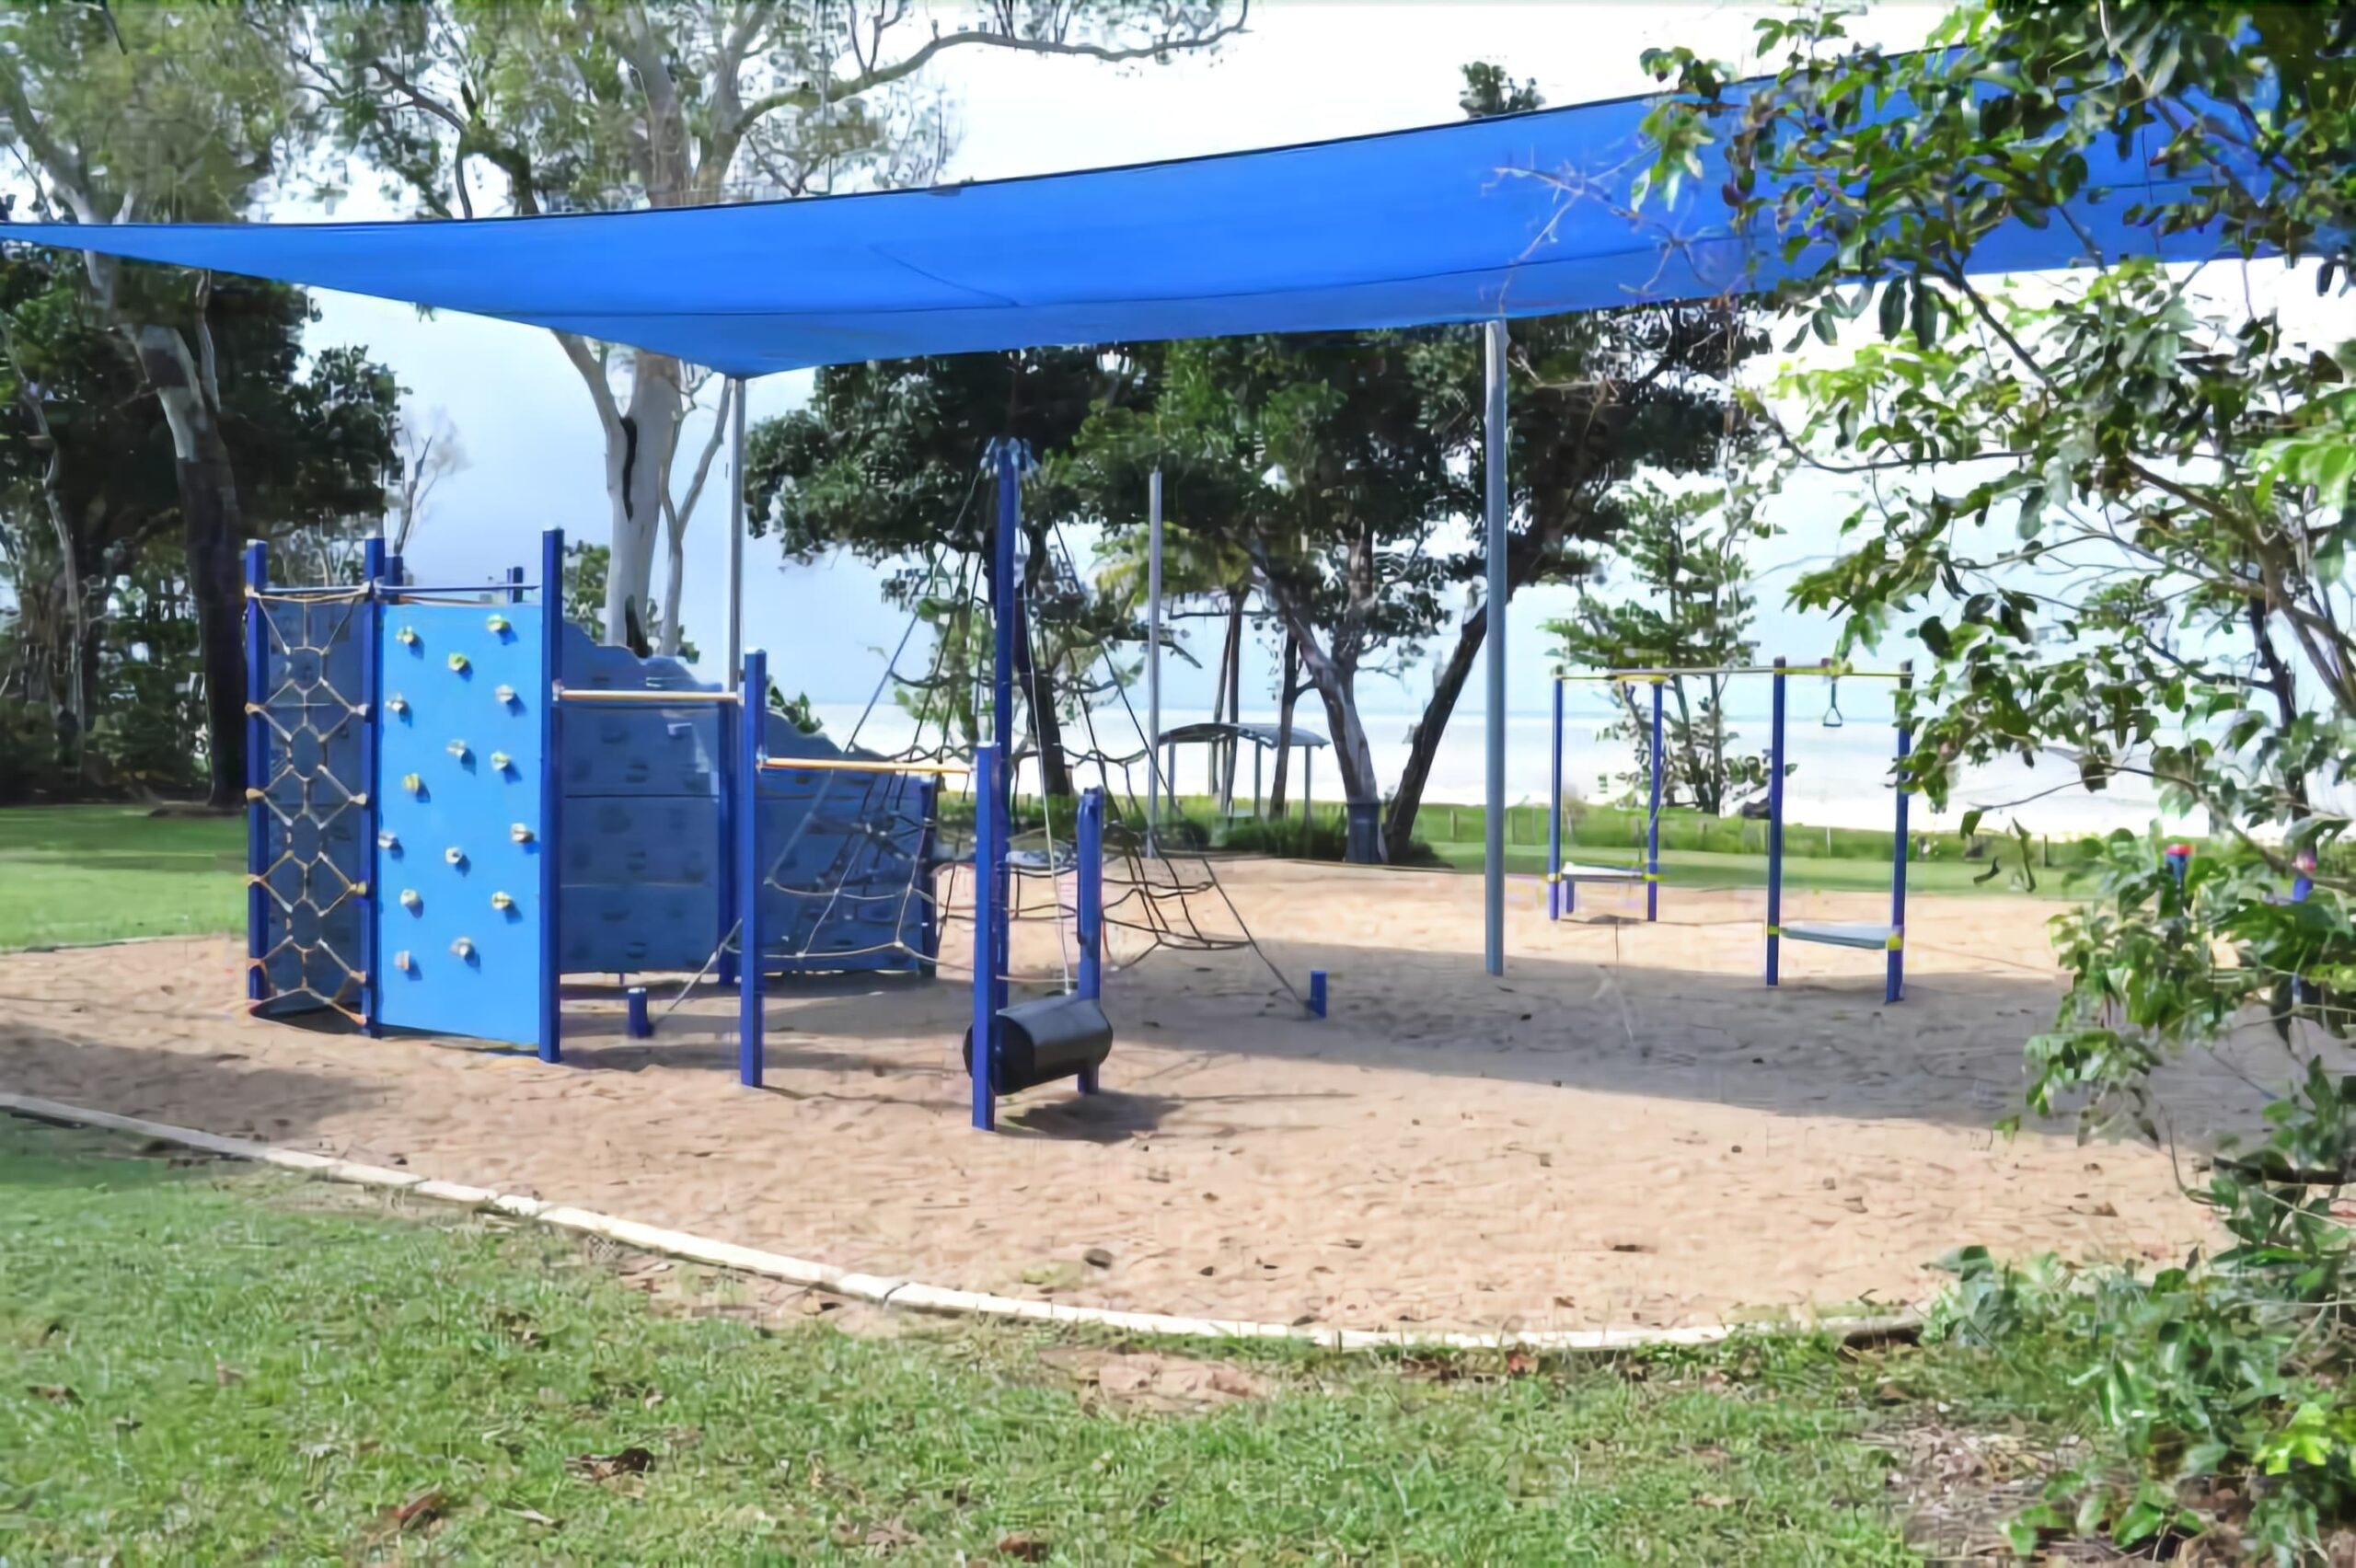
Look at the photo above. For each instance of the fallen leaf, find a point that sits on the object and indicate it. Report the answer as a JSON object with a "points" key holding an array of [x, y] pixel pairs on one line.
{"points": [[1097, 1258], [606, 1466], [417, 1510], [225, 1375], [892, 1535], [1521, 1364], [1711, 1500], [55, 1393], [1023, 1546], [534, 1516]]}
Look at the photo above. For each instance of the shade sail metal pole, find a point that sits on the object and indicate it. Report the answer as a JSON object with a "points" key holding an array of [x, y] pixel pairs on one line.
{"points": [[1493, 438], [737, 534], [1153, 664], [1555, 813], [1005, 605]]}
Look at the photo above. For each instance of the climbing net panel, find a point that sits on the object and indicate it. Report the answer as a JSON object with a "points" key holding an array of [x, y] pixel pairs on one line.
{"points": [[307, 700]]}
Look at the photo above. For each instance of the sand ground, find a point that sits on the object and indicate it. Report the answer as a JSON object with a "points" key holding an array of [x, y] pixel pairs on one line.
{"points": [[1625, 1130]]}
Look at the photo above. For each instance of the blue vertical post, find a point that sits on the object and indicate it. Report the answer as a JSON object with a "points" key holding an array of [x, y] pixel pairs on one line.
{"points": [[987, 910], [728, 732], [1895, 986], [258, 771], [397, 570], [552, 796], [928, 844], [1554, 812], [1317, 993], [514, 585], [750, 1046], [1652, 820], [1775, 829], [1089, 897], [366, 615], [1005, 605]]}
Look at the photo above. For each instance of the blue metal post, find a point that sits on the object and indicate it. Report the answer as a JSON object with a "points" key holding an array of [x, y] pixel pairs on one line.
{"points": [[1317, 992], [641, 1025], [986, 912], [366, 616], [1895, 986], [750, 1046], [552, 796], [396, 570], [1555, 813], [258, 771], [927, 842], [1775, 830], [1004, 607], [1652, 820], [514, 585], [1089, 897]]}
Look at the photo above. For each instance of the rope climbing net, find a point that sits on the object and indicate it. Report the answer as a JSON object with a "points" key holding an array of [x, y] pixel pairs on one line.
{"points": [[312, 797]]}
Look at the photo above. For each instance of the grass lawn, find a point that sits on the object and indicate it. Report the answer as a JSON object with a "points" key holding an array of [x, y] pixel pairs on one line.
{"points": [[205, 1363], [78, 874]]}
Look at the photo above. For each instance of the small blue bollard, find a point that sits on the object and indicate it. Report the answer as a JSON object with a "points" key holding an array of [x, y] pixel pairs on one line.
{"points": [[1317, 992], [640, 1026]]}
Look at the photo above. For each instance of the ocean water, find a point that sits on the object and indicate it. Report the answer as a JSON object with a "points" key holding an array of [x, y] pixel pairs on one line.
{"points": [[1841, 776]]}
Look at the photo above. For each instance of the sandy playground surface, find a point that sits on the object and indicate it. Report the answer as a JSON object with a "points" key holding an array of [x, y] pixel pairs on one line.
{"points": [[1626, 1129]]}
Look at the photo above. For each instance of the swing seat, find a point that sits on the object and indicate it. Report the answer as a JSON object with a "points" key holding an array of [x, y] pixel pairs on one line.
{"points": [[1046, 1039], [1601, 874], [1834, 933]]}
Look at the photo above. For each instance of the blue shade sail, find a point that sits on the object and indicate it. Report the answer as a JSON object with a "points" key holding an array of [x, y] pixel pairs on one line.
{"points": [[1520, 215]]}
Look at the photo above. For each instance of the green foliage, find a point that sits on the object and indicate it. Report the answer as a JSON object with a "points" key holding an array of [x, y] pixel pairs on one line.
{"points": [[585, 570], [2134, 565], [795, 709], [1687, 553]]}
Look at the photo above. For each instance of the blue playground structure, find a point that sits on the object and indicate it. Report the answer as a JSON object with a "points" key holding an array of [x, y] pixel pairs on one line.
{"points": [[1562, 878], [456, 798]]}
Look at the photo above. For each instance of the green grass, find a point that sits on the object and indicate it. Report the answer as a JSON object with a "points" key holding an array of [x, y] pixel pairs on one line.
{"points": [[79, 874], [206, 1364]]}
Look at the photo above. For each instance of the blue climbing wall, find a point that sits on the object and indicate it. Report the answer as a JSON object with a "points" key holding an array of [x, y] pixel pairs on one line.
{"points": [[457, 865], [314, 866], [642, 852]]}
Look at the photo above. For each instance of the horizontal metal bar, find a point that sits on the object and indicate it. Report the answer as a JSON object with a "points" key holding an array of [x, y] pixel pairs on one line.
{"points": [[857, 765], [1844, 672], [389, 590], [659, 698]]}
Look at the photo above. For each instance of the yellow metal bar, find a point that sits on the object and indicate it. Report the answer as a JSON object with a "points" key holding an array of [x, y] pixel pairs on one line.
{"points": [[857, 765], [660, 698]]}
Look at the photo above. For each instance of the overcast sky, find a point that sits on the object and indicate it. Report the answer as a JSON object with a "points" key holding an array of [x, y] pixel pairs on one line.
{"points": [[1304, 71]]}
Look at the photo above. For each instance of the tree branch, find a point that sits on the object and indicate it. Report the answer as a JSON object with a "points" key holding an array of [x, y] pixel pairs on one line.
{"points": [[593, 373]]}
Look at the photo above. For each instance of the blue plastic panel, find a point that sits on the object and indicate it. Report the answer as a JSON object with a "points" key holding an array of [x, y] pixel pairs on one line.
{"points": [[313, 859], [459, 831]]}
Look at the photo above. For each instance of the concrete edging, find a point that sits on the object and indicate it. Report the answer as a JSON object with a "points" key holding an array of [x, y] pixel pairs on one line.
{"points": [[885, 1290]]}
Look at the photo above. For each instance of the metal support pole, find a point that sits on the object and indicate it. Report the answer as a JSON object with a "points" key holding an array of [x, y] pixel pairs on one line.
{"points": [[1005, 605], [1089, 901], [1555, 812], [1493, 441], [368, 643], [728, 738], [1307, 817], [737, 532], [1652, 821], [1775, 829], [551, 796], [751, 1047], [1153, 665], [1259, 752], [258, 856], [1894, 987], [514, 582], [982, 1069]]}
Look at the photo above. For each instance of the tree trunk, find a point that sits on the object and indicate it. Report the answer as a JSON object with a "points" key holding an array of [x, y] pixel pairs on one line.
{"points": [[213, 526], [1399, 826], [1038, 685], [1335, 685], [1288, 694], [1231, 675], [638, 457], [670, 642]]}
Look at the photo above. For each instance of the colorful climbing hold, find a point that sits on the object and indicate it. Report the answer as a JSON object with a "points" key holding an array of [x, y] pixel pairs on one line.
{"points": [[388, 840], [412, 783], [520, 834], [454, 855], [506, 694], [397, 703], [411, 901], [456, 749], [500, 762], [464, 947], [405, 637], [497, 624], [459, 662], [402, 962], [502, 903]]}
